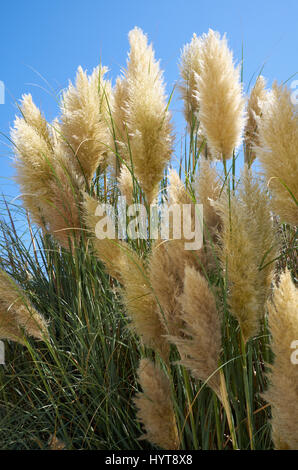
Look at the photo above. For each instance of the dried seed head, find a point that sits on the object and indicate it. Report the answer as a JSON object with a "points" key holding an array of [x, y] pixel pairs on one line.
{"points": [[220, 100], [155, 407], [277, 152], [283, 389], [17, 315]]}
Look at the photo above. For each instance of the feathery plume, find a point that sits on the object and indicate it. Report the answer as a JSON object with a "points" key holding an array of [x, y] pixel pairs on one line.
{"points": [[17, 315], [49, 183], [34, 118], [221, 104], [168, 260], [167, 263], [283, 390], [237, 256], [146, 117], [120, 99], [255, 102], [130, 270], [247, 246], [200, 345], [33, 160], [141, 303], [125, 181], [176, 189], [106, 249], [259, 223], [277, 152], [155, 407], [208, 190], [55, 133], [62, 212], [84, 120], [167, 284], [178, 195], [190, 65]]}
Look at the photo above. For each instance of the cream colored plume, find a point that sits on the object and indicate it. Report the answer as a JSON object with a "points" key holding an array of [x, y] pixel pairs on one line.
{"points": [[33, 161], [220, 100], [167, 283], [283, 389], [141, 303], [155, 407], [141, 104], [34, 118], [247, 246], [208, 189], [109, 251], [255, 102], [257, 215], [168, 260], [176, 189], [190, 65], [62, 212], [85, 121], [126, 185], [130, 270], [49, 183], [17, 316], [200, 345], [277, 152], [120, 99]]}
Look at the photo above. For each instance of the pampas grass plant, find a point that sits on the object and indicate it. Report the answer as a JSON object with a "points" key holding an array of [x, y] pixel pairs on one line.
{"points": [[147, 345]]}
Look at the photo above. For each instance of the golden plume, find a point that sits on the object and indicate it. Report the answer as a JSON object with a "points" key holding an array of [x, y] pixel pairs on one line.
{"points": [[208, 189], [283, 389], [141, 303], [247, 251], [17, 315], [130, 270], [126, 185], [155, 407], [220, 100], [85, 121], [190, 65], [141, 103], [49, 183], [109, 251], [200, 345], [255, 102], [168, 260], [277, 152]]}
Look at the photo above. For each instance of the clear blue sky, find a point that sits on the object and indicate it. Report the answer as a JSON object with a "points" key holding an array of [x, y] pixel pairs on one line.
{"points": [[55, 36]]}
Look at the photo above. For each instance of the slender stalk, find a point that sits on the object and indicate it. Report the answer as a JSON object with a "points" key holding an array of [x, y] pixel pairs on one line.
{"points": [[192, 421], [226, 404], [247, 394], [233, 171], [217, 421]]}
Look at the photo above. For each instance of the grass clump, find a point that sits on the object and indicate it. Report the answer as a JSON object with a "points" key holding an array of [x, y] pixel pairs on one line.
{"points": [[142, 337]]}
